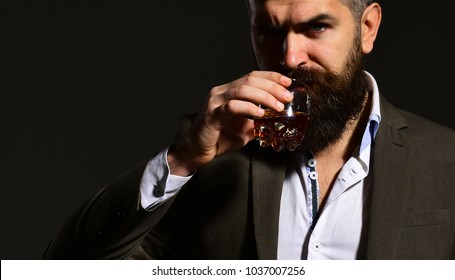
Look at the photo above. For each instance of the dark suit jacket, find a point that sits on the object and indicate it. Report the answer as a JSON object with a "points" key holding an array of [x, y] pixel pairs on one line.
{"points": [[230, 208]]}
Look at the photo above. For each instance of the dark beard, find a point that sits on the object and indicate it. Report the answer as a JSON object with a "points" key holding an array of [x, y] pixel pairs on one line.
{"points": [[336, 100]]}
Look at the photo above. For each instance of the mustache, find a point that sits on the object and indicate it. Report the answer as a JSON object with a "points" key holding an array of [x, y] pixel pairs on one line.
{"points": [[317, 79], [306, 76]]}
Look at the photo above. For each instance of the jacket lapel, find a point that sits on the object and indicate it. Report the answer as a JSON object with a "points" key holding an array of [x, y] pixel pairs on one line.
{"points": [[390, 183], [391, 176], [268, 171]]}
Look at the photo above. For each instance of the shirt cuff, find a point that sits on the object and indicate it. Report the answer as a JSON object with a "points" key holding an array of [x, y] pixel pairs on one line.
{"points": [[157, 184]]}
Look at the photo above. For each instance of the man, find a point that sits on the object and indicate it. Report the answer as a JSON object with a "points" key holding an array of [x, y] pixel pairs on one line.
{"points": [[369, 180]]}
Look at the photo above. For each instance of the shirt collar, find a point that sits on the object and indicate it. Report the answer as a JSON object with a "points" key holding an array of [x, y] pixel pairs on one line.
{"points": [[375, 113]]}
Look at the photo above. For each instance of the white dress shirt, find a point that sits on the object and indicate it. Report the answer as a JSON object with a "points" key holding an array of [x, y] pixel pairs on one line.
{"points": [[337, 233]]}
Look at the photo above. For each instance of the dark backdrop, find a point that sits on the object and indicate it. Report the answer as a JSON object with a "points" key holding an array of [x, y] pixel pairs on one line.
{"points": [[88, 89]]}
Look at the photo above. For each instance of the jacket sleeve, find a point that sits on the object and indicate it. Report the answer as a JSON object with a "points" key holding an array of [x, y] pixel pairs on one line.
{"points": [[111, 225]]}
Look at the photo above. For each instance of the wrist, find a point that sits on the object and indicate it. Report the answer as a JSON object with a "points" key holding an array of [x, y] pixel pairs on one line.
{"points": [[180, 161]]}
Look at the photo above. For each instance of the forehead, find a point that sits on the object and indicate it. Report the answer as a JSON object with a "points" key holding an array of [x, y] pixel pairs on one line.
{"points": [[273, 5], [277, 10], [288, 2]]}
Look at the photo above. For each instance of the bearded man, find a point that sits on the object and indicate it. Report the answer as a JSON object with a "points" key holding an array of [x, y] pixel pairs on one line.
{"points": [[369, 181]]}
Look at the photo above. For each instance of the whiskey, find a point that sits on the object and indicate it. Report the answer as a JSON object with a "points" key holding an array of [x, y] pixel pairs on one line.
{"points": [[281, 129]]}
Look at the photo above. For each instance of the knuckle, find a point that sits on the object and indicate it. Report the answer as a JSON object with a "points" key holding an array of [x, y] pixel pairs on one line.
{"points": [[228, 106], [239, 91], [214, 91], [249, 77]]}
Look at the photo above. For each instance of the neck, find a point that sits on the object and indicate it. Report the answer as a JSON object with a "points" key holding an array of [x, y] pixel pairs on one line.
{"points": [[351, 138], [331, 159]]}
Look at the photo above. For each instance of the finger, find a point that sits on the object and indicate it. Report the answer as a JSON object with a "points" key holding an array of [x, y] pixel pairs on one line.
{"points": [[271, 76], [272, 82], [236, 107], [253, 95]]}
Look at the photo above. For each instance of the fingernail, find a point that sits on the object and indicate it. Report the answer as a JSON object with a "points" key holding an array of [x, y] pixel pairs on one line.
{"points": [[286, 80], [261, 112], [280, 106], [288, 95]]}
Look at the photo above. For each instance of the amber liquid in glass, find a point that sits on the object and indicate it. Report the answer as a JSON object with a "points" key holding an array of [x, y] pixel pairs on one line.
{"points": [[280, 129]]}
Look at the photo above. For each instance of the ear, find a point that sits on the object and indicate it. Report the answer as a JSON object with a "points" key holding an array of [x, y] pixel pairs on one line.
{"points": [[371, 20]]}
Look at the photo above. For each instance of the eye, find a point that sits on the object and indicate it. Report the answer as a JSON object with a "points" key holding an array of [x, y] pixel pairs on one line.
{"points": [[314, 29], [317, 27]]}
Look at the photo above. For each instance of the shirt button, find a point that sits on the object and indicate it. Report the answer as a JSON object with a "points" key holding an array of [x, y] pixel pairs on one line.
{"points": [[316, 247], [313, 175], [312, 162], [158, 191]]}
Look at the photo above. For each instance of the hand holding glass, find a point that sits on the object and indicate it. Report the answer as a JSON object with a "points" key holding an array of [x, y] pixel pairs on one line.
{"points": [[285, 129]]}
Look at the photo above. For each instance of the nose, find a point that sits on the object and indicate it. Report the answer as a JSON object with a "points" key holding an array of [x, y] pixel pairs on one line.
{"points": [[294, 51]]}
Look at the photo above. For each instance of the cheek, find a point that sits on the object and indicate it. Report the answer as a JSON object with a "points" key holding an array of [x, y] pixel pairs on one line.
{"points": [[332, 51], [331, 58]]}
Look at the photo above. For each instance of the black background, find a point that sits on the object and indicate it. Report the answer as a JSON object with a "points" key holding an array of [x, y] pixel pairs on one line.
{"points": [[88, 89]]}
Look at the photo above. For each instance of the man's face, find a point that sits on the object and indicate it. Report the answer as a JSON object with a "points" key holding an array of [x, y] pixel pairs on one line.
{"points": [[318, 41], [288, 33]]}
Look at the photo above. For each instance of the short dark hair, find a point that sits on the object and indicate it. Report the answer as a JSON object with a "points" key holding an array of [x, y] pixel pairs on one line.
{"points": [[357, 7]]}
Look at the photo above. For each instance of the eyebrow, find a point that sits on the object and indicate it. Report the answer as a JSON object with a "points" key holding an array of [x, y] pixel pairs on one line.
{"points": [[318, 19], [321, 17]]}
